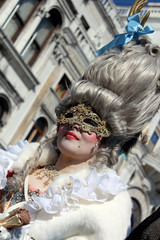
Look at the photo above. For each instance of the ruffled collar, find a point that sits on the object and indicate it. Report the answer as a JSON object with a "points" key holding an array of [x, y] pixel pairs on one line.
{"points": [[64, 197], [95, 187]]}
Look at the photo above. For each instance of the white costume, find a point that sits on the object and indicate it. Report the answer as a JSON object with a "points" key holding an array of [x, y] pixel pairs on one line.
{"points": [[79, 205]]}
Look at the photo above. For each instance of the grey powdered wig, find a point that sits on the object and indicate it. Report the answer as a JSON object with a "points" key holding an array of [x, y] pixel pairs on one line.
{"points": [[122, 86]]}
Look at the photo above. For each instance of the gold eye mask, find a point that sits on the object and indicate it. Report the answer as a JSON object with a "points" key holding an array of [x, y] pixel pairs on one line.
{"points": [[86, 119]]}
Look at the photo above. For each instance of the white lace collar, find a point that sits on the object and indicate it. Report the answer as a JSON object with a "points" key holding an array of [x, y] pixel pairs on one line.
{"points": [[94, 188]]}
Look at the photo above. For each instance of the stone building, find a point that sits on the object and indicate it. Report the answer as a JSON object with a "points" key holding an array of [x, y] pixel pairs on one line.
{"points": [[45, 46]]}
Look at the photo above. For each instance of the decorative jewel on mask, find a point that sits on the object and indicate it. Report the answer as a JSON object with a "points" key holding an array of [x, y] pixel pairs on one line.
{"points": [[86, 119]]}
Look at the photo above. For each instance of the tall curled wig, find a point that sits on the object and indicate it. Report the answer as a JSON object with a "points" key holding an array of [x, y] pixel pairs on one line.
{"points": [[123, 88]]}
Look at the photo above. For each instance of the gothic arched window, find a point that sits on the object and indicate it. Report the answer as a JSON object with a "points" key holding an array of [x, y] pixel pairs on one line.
{"points": [[41, 36], [63, 86], [20, 18], [4, 110], [38, 130]]}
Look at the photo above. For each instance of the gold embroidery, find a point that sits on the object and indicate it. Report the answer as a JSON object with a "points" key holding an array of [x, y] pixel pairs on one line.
{"points": [[87, 120]]}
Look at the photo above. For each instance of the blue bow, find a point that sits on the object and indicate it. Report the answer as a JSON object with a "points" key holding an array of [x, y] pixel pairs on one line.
{"points": [[134, 30]]}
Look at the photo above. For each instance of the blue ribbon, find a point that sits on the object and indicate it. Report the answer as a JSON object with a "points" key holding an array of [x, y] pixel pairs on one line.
{"points": [[134, 30], [123, 155], [121, 152]]}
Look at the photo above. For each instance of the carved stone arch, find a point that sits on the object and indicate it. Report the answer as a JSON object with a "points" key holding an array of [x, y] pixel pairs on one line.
{"points": [[141, 204], [5, 109], [56, 14]]}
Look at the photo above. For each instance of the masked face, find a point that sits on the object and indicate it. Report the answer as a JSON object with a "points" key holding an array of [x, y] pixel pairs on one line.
{"points": [[76, 144], [86, 119]]}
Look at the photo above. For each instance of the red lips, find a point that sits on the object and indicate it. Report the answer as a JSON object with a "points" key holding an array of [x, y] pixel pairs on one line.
{"points": [[71, 135]]}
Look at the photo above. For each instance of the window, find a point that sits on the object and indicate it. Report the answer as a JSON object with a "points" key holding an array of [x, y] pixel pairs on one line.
{"points": [[4, 110], [13, 27], [20, 18], [72, 7], [154, 138], [63, 86], [85, 24], [26, 9], [1, 2], [43, 32], [41, 36], [38, 130], [85, 2]]}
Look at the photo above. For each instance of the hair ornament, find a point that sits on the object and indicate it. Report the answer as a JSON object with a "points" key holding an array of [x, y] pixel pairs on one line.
{"points": [[136, 8], [134, 29], [121, 152]]}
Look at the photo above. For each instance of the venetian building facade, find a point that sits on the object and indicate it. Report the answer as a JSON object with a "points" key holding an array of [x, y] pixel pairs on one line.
{"points": [[45, 46]]}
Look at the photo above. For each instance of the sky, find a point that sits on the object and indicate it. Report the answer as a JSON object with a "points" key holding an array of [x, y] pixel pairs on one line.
{"points": [[130, 2]]}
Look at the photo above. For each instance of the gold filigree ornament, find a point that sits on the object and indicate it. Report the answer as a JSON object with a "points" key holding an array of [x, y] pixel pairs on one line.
{"points": [[86, 119], [48, 172]]}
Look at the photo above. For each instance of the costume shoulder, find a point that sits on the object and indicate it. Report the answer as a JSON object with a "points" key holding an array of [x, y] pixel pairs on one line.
{"points": [[16, 156], [8, 158]]}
